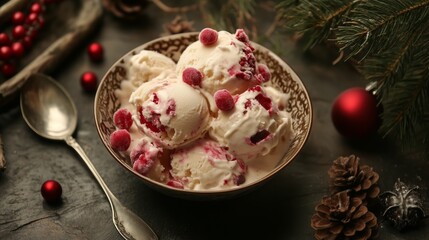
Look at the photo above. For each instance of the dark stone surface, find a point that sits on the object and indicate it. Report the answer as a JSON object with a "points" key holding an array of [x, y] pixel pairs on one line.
{"points": [[281, 209]]}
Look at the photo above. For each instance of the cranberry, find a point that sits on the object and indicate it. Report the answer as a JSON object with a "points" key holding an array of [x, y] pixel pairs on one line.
{"points": [[192, 76], [122, 118], [208, 36], [18, 49], [36, 8], [18, 18], [18, 31], [8, 69], [224, 100], [4, 39], [5, 52], [120, 140]]}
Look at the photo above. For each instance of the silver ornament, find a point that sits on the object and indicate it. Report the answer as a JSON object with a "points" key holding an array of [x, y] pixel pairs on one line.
{"points": [[403, 207]]}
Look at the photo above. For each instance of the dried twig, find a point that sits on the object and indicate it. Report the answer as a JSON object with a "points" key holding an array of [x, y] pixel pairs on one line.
{"points": [[2, 159], [169, 9]]}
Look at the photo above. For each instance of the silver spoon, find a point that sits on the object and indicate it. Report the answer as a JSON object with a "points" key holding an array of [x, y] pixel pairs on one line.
{"points": [[50, 112]]}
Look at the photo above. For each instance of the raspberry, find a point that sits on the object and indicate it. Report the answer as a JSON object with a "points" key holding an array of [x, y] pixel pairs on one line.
{"points": [[122, 119], [224, 100], [120, 140], [192, 76], [175, 184], [143, 164], [264, 71], [208, 36], [241, 36]]}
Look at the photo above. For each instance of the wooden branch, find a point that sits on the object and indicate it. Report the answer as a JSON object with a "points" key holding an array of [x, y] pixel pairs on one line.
{"points": [[169, 9], [2, 158], [49, 58]]}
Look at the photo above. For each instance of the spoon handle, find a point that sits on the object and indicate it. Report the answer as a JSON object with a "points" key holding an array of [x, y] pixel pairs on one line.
{"points": [[128, 224]]}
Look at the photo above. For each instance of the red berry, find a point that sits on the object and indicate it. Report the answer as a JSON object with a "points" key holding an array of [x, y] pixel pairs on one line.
{"points": [[18, 31], [4, 39], [36, 8], [192, 76], [143, 164], [175, 184], [122, 118], [18, 49], [51, 191], [18, 18], [8, 69], [208, 36], [88, 81], [27, 41], [95, 51], [264, 71], [32, 18], [241, 36], [224, 100], [5, 52], [120, 140]]}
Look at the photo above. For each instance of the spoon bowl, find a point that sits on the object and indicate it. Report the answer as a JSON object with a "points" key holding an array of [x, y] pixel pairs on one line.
{"points": [[50, 112], [47, 108]]}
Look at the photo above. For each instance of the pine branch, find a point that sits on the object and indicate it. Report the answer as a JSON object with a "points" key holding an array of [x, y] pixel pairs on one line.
{"points": [[362, 35], [388, 38], [314, 19]]}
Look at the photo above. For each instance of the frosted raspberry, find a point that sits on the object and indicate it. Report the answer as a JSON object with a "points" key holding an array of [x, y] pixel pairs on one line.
{"points": [[208, 36], [120, 140], [143, 164], [192, 76], [264, 71], [241, 36], [175, 184], [224, 100], [122, 119]]}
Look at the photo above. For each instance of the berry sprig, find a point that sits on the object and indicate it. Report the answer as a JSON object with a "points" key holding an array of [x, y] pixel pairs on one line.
{"points": [[16, 42]]}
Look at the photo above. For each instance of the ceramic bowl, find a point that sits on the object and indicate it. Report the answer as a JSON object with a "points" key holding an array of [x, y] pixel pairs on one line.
{"points": [[282, 76]]}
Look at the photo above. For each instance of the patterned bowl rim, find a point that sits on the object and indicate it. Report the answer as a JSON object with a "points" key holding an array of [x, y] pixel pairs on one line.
{"points": [[159, 185]]}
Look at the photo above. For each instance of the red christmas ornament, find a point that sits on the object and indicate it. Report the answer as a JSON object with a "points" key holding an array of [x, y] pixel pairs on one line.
{"points": [[89, 81], [51, 191], [355, 114], [95, 51]]}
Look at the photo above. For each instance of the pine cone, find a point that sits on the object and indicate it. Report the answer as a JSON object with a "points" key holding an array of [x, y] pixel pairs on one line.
{"points": [[347, 174], [343, 217], [125, 8]]}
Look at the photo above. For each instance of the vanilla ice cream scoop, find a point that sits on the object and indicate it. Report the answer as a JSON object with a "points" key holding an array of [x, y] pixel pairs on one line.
{"points": [[206, 165], [146, 65], [253, 127], [228, 63], [170, 112]]}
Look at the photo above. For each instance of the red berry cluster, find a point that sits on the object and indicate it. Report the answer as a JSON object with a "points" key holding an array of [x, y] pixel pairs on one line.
{"points": [[25, 28]]}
